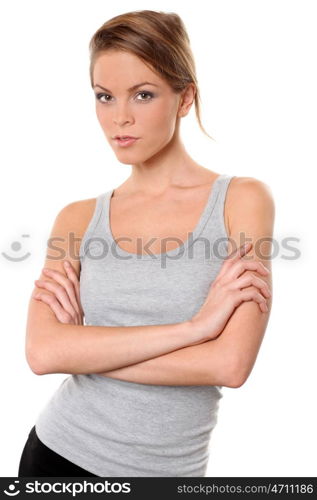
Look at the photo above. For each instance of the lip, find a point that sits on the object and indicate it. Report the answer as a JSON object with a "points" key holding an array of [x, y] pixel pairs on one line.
{"points": [[127, 136], [126, 142]]}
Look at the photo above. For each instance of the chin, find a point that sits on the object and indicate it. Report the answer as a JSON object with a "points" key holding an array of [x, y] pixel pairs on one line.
{"points": [[131, 157], [125, 162]]}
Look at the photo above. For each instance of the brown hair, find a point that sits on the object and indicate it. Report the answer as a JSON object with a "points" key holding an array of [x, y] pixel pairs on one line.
{"points": [[160, 39]]}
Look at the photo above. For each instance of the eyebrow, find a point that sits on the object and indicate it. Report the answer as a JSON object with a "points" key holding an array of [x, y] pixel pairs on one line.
{"points": [[131, 88]]}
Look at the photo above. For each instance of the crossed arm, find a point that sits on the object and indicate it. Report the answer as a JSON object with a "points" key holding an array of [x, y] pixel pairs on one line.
{"points": [[227, 360], [203, 364]]}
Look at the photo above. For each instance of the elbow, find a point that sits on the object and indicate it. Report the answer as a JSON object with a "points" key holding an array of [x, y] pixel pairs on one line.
{"points": [[35, 361], [238, 378], [235, 375], [236, 382], [40, 353]]}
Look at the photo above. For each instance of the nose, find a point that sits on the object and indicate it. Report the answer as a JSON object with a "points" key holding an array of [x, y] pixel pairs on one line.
{"points": [[122, 115]]}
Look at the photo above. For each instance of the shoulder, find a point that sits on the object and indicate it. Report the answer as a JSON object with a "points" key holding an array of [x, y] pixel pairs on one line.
{"points": [[78, 206], [249, 198], [249, 187], [77, 214], [71, 223]]}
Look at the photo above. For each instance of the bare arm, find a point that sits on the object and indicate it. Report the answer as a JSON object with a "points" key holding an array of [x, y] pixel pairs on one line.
{"points": [[227, 360], [252, 216], [204, 364], [54, 347], [89, 349]]}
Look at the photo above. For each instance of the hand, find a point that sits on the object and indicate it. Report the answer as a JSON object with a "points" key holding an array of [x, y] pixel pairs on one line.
{"points": [[65, 301], [229, 290]]}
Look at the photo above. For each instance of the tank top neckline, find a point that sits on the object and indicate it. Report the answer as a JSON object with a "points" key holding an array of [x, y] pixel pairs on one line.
{"points": [[211, 201]]}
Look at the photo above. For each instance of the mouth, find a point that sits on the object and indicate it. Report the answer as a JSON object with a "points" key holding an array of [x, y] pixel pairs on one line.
{"points": [[124, 137], [125, 140]]}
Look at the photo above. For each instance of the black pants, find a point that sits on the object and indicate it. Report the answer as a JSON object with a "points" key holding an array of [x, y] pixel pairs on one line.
{"points": [[39, 460]]}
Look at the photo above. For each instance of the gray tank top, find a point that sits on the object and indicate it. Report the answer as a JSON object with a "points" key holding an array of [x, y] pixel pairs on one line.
{"points": [[112, 427]]}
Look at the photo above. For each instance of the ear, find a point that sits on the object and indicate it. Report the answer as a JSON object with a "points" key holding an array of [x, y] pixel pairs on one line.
{"points": [[187, 99]]}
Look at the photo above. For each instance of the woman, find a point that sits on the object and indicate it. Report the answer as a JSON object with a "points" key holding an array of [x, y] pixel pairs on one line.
{"points": [[172, 310]]}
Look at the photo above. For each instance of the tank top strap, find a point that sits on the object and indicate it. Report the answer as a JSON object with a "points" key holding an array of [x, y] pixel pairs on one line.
{"points": [[95, 229], [217, 200], [214, 222]]}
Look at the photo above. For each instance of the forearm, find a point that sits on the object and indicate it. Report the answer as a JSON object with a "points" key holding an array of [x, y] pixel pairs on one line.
{"points": [[207, 363], [66, 348]]}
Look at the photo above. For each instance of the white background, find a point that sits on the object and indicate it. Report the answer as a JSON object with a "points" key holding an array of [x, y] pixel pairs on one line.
{"points": [[256, 65]]}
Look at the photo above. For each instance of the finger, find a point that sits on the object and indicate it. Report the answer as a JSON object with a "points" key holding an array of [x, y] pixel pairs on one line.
{"points": [[247, 294], [71, 273], [53, 303], [253, 265], [240, 267], [250, 279], [72, 276], [59, 292], [233, 257], [66, 284]]}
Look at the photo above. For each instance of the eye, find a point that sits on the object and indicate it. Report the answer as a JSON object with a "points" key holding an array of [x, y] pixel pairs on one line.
{"points": [[99, 96], [149, 94], [144, 93]]}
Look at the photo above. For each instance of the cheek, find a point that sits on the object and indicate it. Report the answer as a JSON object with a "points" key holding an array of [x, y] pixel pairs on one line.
{"points": [[158, 117], [102, 116]]}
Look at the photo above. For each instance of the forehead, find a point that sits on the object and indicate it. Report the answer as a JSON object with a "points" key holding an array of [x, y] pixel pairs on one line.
{"points": [[123, 69]]}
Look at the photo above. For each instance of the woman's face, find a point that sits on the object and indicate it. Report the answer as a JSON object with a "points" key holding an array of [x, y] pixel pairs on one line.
{"points": [[148, 112]]}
